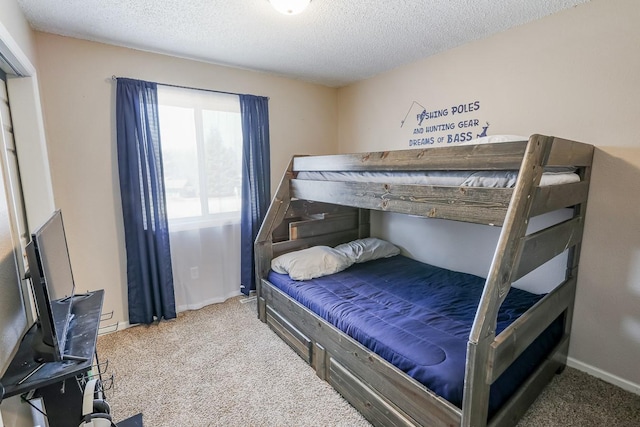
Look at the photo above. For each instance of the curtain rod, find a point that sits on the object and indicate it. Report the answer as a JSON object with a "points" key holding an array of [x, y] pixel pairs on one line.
{"points": [[185, 87]]}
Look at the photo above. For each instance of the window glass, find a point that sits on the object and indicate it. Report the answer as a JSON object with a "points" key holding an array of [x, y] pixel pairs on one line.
{"points": [[222, 137], [180, 161], [201, 138]]}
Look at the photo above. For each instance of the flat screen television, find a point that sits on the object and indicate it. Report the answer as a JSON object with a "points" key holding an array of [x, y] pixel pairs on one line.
{"points": [[53, 288]]}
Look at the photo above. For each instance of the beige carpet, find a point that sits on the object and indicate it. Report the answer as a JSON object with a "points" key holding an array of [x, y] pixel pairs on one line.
{"points": [[220, 366]]}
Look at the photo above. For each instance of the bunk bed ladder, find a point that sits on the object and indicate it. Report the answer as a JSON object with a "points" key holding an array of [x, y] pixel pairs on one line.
{"points": [[477, 382], [516, 255]]}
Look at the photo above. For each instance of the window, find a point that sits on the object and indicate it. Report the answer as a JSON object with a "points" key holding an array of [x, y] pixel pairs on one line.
{"points": [[201, 138]]}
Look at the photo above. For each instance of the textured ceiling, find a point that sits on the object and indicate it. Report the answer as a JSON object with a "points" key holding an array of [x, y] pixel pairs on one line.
{"points": [[333, 42]]}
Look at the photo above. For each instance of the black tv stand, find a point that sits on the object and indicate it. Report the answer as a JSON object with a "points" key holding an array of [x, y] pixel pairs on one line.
{"points": [[56, 382], [42, 351]]}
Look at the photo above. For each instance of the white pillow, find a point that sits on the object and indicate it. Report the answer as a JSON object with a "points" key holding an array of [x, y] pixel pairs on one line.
{"points": [[492, 139], [370, 248], [310, 263]]}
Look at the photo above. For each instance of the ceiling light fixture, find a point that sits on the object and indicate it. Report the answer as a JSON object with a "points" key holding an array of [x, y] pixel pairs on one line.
{"points": [[290, 7]]}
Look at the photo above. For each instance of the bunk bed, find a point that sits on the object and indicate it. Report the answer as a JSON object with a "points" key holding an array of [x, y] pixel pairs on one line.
{"points": [[322, 203]]}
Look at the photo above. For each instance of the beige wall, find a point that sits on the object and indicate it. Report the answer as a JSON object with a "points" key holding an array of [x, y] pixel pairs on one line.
{"points": [[575, 75], [79, 107]]}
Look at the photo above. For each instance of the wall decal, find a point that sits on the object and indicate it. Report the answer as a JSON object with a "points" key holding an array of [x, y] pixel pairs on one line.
{"points": [[445, 125]]}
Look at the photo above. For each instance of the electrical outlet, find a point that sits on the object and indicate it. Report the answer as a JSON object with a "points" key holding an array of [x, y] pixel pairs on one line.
{"points": [[195, 273]]}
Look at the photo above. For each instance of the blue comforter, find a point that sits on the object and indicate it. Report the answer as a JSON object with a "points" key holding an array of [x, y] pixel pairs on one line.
{"points": [[418, 317]]}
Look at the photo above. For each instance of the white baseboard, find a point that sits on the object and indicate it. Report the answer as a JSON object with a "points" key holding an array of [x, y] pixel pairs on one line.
{"points": [[201, 304], [603, 375], [123, 325]]}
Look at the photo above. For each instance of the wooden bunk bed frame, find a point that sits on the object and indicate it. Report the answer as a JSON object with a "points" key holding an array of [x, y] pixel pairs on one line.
{"points": [[307, 213]]}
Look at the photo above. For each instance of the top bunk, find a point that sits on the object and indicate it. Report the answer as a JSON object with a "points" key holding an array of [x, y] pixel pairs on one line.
{"points": [[471, 183]]}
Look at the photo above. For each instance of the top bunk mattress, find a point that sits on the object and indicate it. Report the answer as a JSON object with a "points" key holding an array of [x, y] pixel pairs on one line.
{"points": [[418, 317], [491, 179]]}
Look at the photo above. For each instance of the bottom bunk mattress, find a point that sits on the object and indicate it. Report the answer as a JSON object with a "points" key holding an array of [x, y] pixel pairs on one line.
{"points": [[418, 317]]}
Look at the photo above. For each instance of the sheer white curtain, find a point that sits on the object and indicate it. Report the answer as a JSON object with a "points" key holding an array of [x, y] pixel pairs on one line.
{"points": [[201, 137], [206, 264]]}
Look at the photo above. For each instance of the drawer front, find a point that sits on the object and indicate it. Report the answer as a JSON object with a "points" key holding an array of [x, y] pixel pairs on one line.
{"points": [[375, 408], [289, 334]]}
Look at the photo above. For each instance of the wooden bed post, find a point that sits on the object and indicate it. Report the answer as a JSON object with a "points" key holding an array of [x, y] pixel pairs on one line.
{"points": [[263, 251], [573, 260], [475, 403]]}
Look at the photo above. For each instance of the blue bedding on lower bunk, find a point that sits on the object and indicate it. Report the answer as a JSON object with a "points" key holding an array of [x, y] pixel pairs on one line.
{"points": [[418, 317]]}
